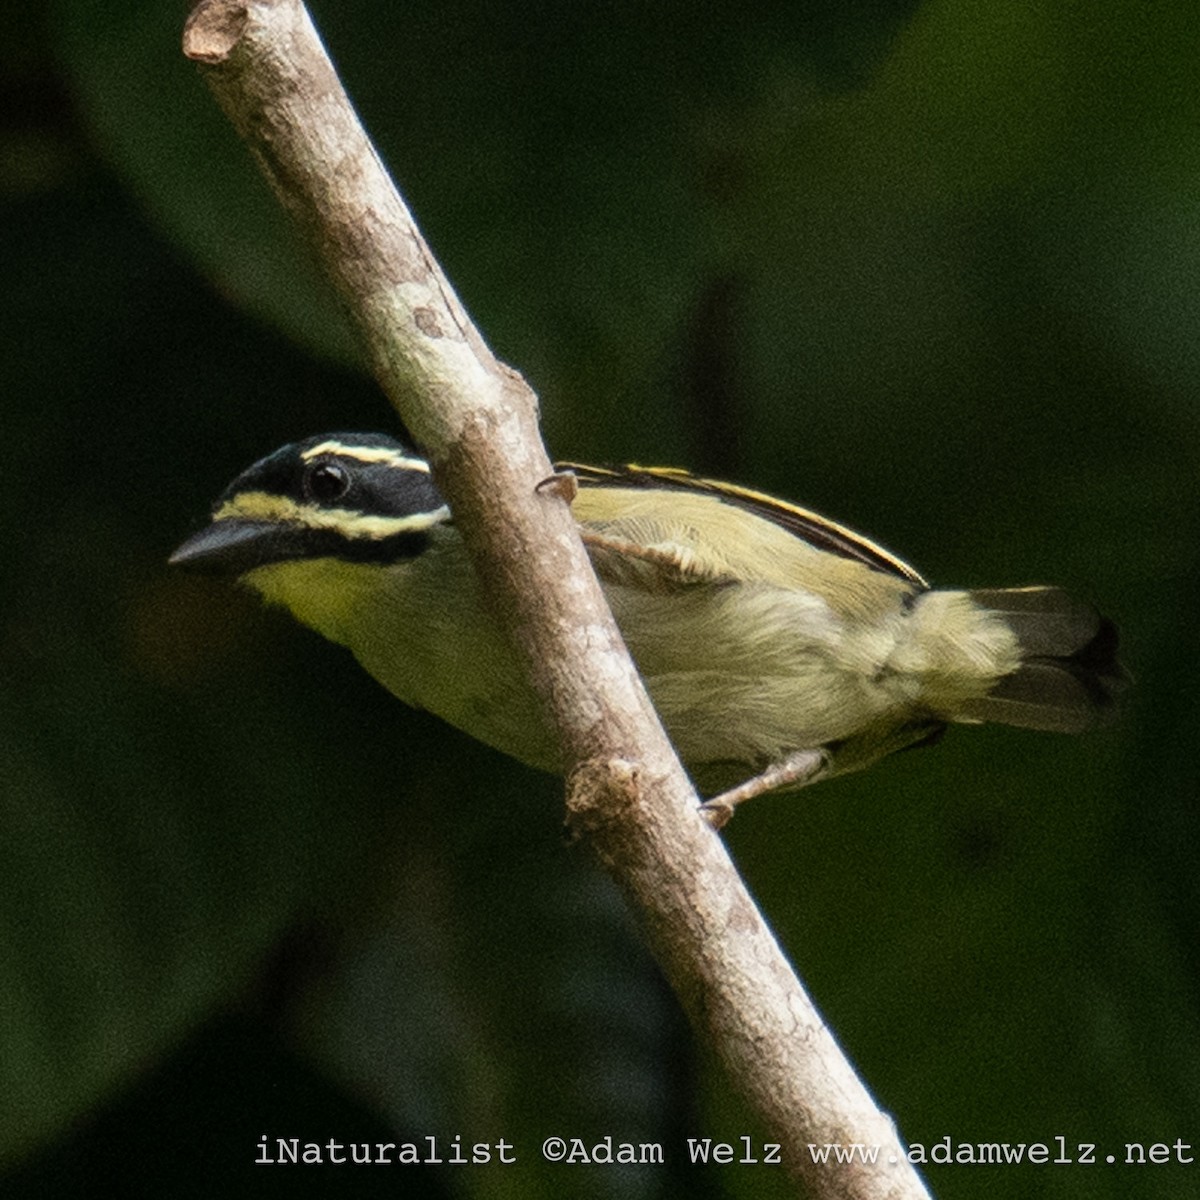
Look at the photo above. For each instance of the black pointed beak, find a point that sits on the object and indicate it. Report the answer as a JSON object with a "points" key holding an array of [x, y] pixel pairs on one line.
{"points": [[233, 546]]}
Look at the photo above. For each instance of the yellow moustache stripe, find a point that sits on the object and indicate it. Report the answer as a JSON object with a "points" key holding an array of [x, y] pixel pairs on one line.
{"points": [[263, 506]]}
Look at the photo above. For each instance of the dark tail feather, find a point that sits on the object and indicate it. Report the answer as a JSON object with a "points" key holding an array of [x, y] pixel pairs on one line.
{"points": [[1069, 677]]}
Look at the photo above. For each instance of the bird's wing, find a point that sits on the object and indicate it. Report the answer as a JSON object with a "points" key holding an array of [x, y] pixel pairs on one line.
{"points": [[658, 566], [683, 566]]}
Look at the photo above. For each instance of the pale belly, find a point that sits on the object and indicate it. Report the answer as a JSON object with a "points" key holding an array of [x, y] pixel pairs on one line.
{"points": [[739, 674]]}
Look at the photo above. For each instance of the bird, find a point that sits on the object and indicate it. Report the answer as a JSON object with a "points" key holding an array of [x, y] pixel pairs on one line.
{"points": [[778, 647]]}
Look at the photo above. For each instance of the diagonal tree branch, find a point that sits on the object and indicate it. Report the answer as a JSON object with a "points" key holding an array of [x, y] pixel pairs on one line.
{"points": [[477, 421]]}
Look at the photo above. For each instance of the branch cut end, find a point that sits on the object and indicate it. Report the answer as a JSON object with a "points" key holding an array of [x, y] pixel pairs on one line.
{"points": [[213, 30], [600, 791]]}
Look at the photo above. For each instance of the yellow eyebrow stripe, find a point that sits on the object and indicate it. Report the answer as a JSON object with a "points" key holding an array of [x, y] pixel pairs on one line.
{"points": [[368, 454], [262, 506]]}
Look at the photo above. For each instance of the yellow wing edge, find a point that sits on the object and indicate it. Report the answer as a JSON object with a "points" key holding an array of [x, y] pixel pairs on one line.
{"points": [[818, 531]]}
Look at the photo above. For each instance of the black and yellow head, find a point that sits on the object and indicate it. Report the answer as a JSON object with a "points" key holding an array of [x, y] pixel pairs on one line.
{"points": [[350, 496]]}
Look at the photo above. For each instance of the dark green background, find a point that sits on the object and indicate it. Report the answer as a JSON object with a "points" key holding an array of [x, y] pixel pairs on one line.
{"points": [[932, 268]]}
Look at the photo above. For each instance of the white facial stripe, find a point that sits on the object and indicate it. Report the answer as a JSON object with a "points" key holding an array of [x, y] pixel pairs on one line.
{"points": [[360, 526], [262, 506], [369, 454]]}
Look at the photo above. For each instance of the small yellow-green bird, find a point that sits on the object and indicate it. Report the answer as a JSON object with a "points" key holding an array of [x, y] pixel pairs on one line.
{"points": [[777, 646]]}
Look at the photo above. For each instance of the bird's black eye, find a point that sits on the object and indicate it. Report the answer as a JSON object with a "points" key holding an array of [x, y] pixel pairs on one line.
{"points": [[326, 482]]}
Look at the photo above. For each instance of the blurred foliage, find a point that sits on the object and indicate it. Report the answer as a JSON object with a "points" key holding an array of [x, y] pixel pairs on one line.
{"points": [[933, 269]]}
